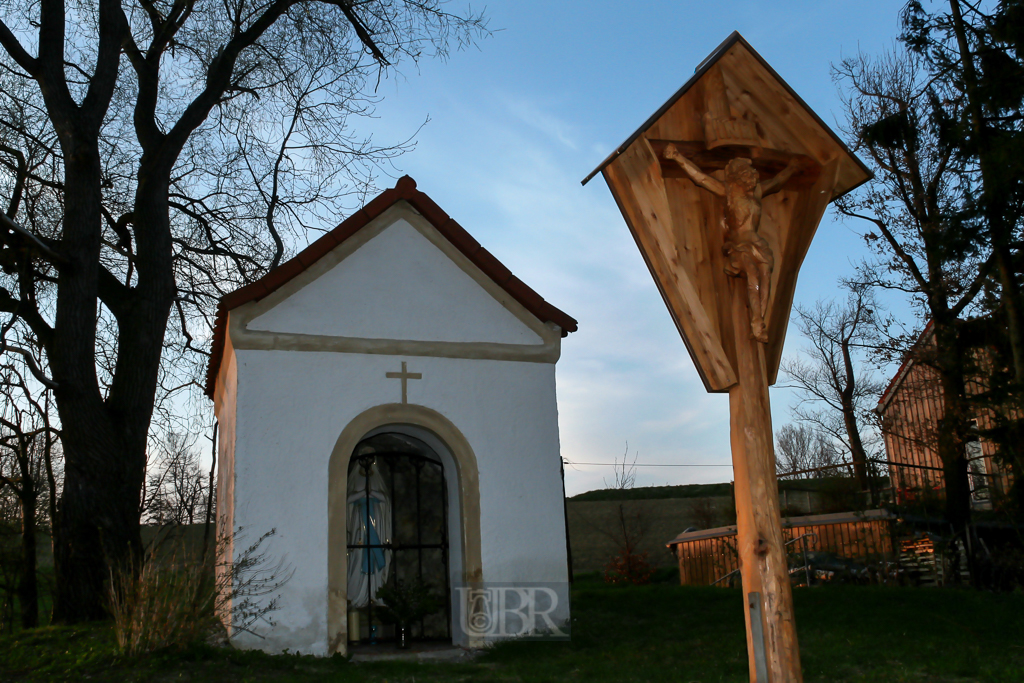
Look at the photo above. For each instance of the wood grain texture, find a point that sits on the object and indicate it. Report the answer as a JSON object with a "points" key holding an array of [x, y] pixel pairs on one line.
{"points": [[635, 180], [763, 565], [686, 246], [804, 214], [736, 108], [768, 162]]}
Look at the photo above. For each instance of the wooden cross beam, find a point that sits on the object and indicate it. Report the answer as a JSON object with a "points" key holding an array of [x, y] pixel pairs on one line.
{"points": [[768, 162]]}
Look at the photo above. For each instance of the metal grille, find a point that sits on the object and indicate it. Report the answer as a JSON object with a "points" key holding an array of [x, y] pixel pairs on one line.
{"points": [[418, 542]]}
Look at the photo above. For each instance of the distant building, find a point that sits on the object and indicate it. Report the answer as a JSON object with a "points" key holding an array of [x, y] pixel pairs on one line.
{"points": [[818, 546], [910, 410]]}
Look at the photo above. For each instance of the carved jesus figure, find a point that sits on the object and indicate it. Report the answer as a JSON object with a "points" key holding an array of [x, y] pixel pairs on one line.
{"points": [[747, 253]]}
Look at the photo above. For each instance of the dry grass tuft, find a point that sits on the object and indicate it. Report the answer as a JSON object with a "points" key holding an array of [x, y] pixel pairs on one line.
{"points": [[167, 602]]}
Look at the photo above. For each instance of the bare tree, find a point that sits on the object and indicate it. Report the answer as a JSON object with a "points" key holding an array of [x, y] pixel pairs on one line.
{"points": [[918, 225], [805, 452], [837, 392], [27, 452], [625, 472], [156, 154], [626, 527], [177, 487]]}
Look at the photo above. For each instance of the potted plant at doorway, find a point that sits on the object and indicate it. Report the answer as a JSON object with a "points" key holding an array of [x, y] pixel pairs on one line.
{"points": [[403, 603]]}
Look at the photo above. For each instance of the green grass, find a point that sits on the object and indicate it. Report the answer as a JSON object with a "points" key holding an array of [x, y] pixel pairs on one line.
{"points": [[652, 633]]}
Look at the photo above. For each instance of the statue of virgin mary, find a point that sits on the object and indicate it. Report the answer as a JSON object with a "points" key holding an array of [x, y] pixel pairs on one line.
{"points": [[369, 526]]}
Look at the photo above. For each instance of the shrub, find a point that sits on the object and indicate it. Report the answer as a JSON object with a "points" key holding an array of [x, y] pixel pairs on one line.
{"points": [[165, 602], [629, 567], [405, 603], [175, 600]]}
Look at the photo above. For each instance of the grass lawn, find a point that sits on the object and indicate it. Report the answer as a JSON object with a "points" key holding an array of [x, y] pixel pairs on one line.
{"points": [[653, 633]]}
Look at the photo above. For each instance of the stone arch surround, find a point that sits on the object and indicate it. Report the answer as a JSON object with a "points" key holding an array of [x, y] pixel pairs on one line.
{"points": [[337, 487]]}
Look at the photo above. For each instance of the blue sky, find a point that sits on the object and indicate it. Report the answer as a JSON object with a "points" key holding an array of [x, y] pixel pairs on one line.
{"points": [[516, 124]]}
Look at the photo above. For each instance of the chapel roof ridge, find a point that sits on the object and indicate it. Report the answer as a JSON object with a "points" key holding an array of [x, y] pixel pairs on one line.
{"points": [[404, 190]]}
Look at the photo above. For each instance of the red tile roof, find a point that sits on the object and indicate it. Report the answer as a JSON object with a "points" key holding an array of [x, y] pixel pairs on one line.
{"points": [[404, 189]]}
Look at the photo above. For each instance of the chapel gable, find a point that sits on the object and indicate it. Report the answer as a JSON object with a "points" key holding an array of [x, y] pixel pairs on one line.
{"points": [[399, 272]]}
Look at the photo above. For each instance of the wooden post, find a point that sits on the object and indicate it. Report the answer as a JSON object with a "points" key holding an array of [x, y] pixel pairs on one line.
{"points": [[763, 565]]}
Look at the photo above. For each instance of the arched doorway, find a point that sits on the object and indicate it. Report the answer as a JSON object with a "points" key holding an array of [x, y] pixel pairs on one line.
{"points": [[397, 537], [463, 503]]}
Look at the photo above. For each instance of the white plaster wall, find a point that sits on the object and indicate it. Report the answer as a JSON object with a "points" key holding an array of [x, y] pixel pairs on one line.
{"points": [[397, 286], [226, 403], [292, 406]]}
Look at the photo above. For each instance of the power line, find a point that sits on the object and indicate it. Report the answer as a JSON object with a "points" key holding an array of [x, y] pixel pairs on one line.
{"points": [[634, 464]]}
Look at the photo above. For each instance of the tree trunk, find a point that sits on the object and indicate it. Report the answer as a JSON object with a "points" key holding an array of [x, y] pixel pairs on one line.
{"points": [[28, 593], [994, 196], [88, 436], [857, 453], [952, 431], [105, 438], [1012, 307], [105, 459], [98, 511], [98, 515], [958, 488], [99, 528]]}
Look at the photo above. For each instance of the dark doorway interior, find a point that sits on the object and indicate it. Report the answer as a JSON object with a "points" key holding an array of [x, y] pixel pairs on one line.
{"points": [[398, 531]]}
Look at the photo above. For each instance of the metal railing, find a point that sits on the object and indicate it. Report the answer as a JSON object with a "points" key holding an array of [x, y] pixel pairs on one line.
{"points": [[807, 570]]}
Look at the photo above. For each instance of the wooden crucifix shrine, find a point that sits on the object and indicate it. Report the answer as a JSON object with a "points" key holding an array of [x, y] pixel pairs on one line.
{"points": [[723, 189]]}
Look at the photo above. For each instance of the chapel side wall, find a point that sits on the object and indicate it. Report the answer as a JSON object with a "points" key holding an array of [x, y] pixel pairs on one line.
{"points": [[226, 411], [296, 404], [522, 509]]}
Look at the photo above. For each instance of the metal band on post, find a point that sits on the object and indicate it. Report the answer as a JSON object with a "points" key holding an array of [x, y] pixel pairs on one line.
{"points": [[757, 631]]}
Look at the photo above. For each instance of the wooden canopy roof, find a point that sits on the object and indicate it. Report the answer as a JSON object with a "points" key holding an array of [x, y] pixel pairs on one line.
{"points": [[710, 61], [734, 106], [404, 190]]}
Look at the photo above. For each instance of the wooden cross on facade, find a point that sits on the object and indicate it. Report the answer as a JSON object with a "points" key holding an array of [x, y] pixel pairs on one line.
{"points": [[723, 189], [405, 376]]}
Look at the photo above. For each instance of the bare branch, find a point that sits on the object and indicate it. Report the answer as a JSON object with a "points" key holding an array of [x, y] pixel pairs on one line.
{"points": [[48, 253], [18, 53]]}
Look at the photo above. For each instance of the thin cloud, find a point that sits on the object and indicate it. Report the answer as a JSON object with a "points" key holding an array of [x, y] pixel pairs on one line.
{"points": [[532, 115]]}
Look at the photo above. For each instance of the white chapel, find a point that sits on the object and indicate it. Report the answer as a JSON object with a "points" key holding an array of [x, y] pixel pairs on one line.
{"points": [[386, 403]]}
